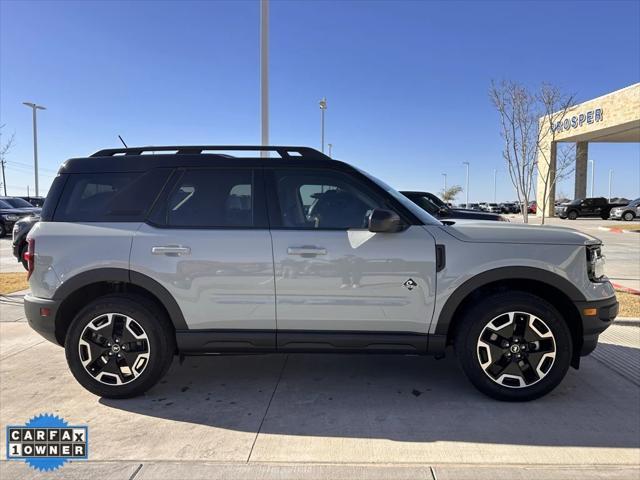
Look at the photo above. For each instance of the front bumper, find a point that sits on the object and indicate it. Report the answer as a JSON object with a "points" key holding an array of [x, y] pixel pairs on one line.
{"points": [[41, 315], [597, 316], [615, 214]]}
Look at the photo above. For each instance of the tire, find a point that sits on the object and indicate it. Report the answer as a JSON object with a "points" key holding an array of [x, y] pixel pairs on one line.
{"points": [[93, 336], [543, 370], [572, 215], [628, 216]]}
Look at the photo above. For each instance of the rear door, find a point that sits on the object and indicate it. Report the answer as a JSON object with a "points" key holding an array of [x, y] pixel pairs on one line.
{"points": [[337, 284], [207, 242]]}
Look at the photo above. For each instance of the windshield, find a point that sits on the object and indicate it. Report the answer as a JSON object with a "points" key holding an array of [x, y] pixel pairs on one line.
{"points": [[17, 203], [408, 204], [4, 204], [426, 204], [635, 203]]}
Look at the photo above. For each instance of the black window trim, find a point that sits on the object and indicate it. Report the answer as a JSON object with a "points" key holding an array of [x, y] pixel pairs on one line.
{"points": [[260, 217], [273, 203]]}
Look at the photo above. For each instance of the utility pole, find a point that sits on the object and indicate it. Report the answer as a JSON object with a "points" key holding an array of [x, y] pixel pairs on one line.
{"points": [[610, 178], [466, 188], [4, 180], [264, 74], [323, 107], [34, 109]]}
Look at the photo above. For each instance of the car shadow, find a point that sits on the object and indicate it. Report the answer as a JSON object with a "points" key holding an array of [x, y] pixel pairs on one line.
{"points": [[403, 398]]}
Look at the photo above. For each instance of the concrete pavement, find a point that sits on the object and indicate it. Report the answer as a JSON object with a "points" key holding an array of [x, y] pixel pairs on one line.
{"points": [[330, 416]]}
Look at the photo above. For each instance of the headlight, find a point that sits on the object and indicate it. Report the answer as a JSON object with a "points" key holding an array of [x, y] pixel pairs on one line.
{"points": [[595, 263], [10, 217]]}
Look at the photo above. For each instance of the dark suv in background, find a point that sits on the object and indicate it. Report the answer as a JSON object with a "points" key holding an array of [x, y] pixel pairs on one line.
{"points": [[436, 207], [13, 209], [587, 207]]}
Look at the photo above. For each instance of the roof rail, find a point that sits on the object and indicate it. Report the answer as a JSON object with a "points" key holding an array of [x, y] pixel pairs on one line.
{"points": [[283, 151]]}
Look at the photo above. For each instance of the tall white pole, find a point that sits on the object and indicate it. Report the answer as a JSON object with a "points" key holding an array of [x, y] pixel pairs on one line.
{"points": [[34, 109], [264, 73], [323, 107], [495, 176], [592, 175], [466, 164], [444, 176], [610, 178], [330, 145]]}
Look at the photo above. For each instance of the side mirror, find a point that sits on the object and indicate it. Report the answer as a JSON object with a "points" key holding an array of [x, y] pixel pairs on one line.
{"points": [[384, 221]]}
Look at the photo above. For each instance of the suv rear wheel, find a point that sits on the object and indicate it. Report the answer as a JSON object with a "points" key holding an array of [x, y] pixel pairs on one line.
{"points": [[119, 346], [514, 346]]}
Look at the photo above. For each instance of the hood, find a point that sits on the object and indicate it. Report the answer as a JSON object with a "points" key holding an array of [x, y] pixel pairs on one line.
{"points": [[502, 232], [20, 211]]}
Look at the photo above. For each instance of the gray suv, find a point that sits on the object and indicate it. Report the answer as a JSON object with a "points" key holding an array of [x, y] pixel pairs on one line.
{"points": [[145, 253]]}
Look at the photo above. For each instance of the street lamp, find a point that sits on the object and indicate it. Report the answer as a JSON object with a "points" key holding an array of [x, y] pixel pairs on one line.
{"points": [[34, 108], [495, 175], [264, 74], [466, 189], [330, 145], [592, 175], [444, 176], [323, 107], [610, 179]]}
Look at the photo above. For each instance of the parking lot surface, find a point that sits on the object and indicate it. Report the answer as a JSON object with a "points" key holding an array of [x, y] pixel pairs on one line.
{"points": [[331, 416]]}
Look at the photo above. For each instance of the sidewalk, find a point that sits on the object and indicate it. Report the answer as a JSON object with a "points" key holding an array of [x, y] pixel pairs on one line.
{"points": [[331, 416]]}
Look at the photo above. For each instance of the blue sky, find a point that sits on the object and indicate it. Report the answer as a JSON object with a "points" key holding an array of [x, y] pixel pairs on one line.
{"points": [[406, 82]]}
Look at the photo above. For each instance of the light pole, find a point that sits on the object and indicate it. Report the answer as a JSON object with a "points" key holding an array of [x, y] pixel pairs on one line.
{"points": [[330, 145], [466, 189], [323, 107], [592, 175], [495, 176], [34, 108], [444, 176], [610, 178], [264, 74]]}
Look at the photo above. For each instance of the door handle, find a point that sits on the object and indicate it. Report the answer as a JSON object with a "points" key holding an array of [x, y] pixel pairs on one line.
{"points": [[306, 250], [171, 250]]}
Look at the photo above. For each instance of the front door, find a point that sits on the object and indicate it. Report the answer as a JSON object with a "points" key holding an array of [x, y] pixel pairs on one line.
{"points": [[333, 276]]}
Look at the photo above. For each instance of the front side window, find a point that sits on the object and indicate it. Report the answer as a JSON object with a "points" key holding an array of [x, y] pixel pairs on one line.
{"points": [[210, 198], [317, 199]]}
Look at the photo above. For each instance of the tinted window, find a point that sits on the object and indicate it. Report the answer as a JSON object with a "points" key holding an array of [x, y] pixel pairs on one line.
{"points": [[4, 204], [18, 203], [322, 200], [109, 197], [210, 198]]}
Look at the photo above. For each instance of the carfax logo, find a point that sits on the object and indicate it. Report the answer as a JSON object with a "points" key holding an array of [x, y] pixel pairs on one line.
{"points": [[45, 442]]}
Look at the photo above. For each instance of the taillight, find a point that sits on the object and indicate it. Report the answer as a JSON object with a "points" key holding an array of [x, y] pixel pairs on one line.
{"points": [[30, 256]]}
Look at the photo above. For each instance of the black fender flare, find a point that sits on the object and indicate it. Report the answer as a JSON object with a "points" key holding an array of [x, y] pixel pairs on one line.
{"points": [[123, 275], [500, 274]]}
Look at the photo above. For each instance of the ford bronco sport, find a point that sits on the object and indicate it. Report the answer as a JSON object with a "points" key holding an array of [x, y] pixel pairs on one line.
{"points": [[145, 253]]}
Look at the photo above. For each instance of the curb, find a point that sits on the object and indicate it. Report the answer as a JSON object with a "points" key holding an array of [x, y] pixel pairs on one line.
{"points": [[622, 288], [617, 230]]}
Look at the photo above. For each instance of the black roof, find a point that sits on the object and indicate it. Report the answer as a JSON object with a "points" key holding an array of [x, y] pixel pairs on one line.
{"points": [[136, 159]]}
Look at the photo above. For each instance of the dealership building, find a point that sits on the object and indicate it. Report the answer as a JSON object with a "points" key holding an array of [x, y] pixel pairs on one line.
{"points": [[612, 118]]}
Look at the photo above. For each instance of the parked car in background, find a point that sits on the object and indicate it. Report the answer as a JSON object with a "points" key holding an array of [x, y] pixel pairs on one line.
{"points": [[436, 207], [475, 207], [139, 257], [35, 201], [509, 207], [19, 243], [587, 207], [626, 212], [493, 208], [13, 209]]}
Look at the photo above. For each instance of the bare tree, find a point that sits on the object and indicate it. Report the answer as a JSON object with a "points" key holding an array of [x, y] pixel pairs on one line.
{"points": [[555, 108], [4, 150], [519, 128], [450, 193]]}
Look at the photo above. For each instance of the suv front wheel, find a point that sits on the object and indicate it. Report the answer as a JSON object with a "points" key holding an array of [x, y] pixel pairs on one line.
{"points": [[119, 346], [514, 346]]}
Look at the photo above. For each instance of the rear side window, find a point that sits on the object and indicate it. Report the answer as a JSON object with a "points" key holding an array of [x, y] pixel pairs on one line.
{"points": [[210, 198], [109, 196]]}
